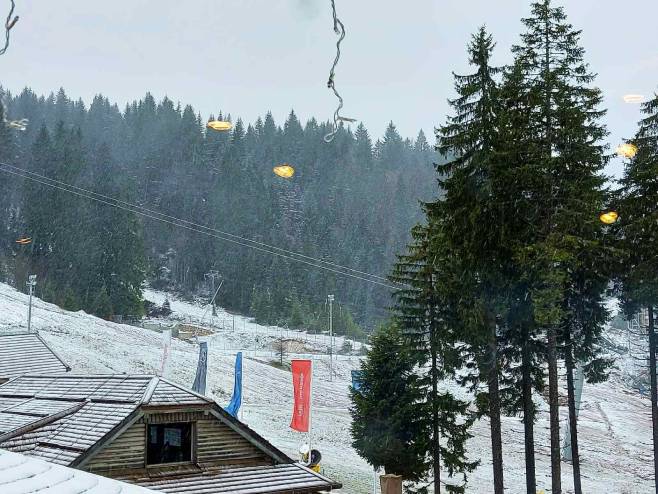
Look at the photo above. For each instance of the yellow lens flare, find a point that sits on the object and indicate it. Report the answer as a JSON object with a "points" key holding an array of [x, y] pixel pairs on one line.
{"points": [[633, 98], [18, 124], [609, 217], [627, 150], [285, 170], [219, 125]]}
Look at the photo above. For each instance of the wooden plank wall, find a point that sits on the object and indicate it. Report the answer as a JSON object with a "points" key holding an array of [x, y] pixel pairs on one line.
{"points": [[216, 445], [125, 452]]}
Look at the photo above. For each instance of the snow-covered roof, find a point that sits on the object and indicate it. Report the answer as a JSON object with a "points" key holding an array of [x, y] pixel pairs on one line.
{"points": [[21, 474], [27, 353], [62, 419], [59, 418]]}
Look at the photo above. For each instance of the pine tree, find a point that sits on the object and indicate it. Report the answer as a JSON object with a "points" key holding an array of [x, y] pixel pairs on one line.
{"points": [[567, 186], [522, 343], [638, 208], [387, 429], [473, 227], [118, 252], [431, 325]]}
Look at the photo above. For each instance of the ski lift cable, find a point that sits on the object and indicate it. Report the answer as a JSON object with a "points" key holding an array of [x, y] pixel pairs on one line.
{"points": [[339, 29], [9, 24], [180, 223], [197, 225]]}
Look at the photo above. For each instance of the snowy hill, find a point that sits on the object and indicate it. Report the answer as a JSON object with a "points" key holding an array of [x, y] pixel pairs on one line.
{"points": [[615, 428]]}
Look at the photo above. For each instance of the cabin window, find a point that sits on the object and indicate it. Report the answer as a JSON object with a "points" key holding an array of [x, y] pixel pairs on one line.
{"points": [[169, 443]]}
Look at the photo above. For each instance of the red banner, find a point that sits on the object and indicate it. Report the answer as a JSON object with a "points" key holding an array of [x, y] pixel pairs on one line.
{"points": [[301, 383]]}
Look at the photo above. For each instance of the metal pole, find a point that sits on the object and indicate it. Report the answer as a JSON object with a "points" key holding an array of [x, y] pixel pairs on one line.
{"points": [[331, 337], [32, 281]]}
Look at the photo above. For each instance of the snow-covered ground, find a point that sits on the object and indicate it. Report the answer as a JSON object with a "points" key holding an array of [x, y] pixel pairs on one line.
{"points": [[615, 427]]}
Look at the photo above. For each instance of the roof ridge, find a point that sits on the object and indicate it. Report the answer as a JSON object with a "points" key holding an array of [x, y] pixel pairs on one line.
{"points": [[150, 389], [68, 367], [41, 422], [187, 390], [88, 376]]}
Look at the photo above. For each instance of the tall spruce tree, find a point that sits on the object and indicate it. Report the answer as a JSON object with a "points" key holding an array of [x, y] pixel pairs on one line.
{"points": [[431, 325], [473, 227], [522, 342], [638, 208], [387, 428], [568, 185]]}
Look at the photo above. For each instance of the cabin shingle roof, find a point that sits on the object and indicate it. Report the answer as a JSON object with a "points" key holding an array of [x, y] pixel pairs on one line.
{"points": [[64, 419], [245, 480], [61, 417], [28, 353]]}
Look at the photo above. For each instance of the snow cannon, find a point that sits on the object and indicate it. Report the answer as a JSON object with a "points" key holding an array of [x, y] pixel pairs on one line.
{"points": [[311, 458]]}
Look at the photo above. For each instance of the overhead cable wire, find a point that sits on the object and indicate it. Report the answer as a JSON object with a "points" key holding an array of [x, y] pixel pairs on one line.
{"points": [[339, 29], [9, 24], [197, 225], [172, 220]]}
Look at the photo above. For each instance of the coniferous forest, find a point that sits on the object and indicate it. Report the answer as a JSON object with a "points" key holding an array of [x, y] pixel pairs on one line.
{"points": [[351, 202]]}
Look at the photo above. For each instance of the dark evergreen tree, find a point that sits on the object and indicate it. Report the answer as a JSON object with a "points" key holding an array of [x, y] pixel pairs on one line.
{"points": [[523, 347], [474, 231], [387, 429], [638, 208], [567, 186], [429, 275]]}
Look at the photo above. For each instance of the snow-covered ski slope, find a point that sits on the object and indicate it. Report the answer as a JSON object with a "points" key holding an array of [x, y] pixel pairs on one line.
{"points": [[615, 427]]}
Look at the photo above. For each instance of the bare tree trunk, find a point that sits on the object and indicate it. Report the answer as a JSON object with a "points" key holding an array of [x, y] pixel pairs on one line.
{"points": [[573, 419], [436, 451], [494, 411], [654, 394], [528, 422], [556, 477]]}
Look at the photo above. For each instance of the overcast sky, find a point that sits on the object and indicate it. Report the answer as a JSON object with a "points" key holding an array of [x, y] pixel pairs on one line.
{"points": [[250, 56]]}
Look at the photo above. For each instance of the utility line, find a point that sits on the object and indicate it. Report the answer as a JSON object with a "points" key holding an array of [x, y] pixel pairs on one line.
{"points": [[172, 220], [197, 225]]}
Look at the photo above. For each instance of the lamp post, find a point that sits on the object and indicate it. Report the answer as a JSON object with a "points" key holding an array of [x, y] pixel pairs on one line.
{"points": [[31, 283], [331, 336]]}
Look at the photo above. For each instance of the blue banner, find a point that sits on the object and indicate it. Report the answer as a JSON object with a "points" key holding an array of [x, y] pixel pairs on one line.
{"points": [[201, 369], [357, 379], [236, 401]]}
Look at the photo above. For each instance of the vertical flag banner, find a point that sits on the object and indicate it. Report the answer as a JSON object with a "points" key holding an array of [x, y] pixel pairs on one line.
{"points": [[201, 369], [236, 401], [357, 379], [301, 382]]}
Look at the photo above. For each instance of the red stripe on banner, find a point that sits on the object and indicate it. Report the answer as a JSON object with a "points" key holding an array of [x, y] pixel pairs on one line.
{"points": [[301, 383]]}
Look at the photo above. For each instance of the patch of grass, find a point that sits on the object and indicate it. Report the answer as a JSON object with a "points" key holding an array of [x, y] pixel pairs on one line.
{"points": [[277, 364]]}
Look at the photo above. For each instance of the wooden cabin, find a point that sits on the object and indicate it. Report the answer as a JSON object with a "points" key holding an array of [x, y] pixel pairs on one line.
{"points": [[147, 431], [27, 353]]}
